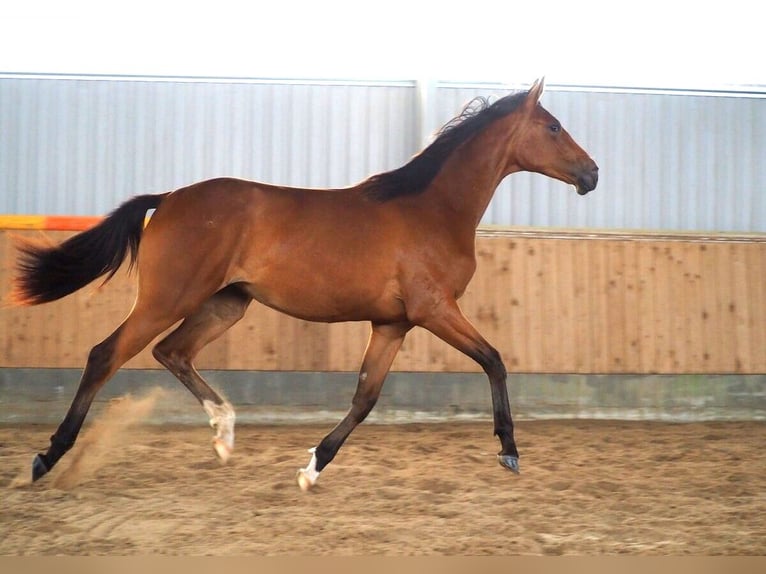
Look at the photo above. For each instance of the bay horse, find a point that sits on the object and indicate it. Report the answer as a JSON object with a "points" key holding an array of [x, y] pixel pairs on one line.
{"points": [[396, 250]]}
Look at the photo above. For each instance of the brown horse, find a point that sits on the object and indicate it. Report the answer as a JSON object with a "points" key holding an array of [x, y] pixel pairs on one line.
{"points": [[396, 250]]}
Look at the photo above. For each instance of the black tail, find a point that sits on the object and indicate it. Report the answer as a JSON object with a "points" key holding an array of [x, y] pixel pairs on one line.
{"points": [[49, 272]]}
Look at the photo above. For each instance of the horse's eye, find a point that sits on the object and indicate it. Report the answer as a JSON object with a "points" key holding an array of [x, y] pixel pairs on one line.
{"points": [[555, 128]]}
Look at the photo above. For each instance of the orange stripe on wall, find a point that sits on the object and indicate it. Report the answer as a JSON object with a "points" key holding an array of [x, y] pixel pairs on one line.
{"points": [[70, 223], [50, 222], [22, 221]]}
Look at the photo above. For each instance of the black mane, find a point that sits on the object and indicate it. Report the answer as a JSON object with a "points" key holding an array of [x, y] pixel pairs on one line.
{"points": [[415, 176]]}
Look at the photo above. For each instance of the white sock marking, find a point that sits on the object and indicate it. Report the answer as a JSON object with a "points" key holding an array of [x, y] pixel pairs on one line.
{"points": [[307, 477], [222, 419]]}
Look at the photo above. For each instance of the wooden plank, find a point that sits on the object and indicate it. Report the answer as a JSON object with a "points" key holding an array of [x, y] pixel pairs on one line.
{"points": [[631, 361], [598, 303], [726, 308], [740, 310], [756, 266], [646, 307], [710, 311], [562, 316], [691, 306], [12, 326], [615, 287], [677, 303], [582, 317], [534, 296], [518, 304], [664, 358], [257, 341]]}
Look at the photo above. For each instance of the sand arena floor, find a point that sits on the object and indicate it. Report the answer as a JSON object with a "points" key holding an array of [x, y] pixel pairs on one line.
{"points": [[587, 487]]}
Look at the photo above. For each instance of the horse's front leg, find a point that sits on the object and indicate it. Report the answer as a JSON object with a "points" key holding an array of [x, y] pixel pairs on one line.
{"points": [[447, 322], [384, 343]]}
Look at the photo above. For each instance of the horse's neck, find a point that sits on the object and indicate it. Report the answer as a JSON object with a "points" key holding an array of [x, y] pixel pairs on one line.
{"points": [[467, 181]]}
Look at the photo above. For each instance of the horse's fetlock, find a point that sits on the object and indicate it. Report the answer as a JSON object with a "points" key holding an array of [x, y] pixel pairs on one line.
{"points": [[59, 447], [324, 455]]}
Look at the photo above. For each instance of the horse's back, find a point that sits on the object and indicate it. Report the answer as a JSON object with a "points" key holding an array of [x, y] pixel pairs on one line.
{"points": [[315, 254]]}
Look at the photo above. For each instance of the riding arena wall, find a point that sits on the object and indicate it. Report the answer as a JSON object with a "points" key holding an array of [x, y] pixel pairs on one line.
{"points": [[552, 302], [647, 294]]}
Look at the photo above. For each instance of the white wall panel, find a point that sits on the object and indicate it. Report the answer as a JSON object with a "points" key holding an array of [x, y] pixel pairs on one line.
{"points": [[668, 161], [80, 146]]}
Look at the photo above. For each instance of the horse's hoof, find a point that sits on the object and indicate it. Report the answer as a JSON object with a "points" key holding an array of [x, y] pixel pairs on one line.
{"points": [[304, 480], [39, 468], [222, 450], [509, 462]]}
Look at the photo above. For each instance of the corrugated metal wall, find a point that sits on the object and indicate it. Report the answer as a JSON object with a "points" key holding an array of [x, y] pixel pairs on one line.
{"points": [[80, 146]]}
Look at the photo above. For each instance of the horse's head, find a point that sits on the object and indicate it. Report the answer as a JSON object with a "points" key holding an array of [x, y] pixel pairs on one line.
{"points": [[543, 146]]}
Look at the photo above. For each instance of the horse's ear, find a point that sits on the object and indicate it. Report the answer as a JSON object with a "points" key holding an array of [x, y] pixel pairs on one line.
{"points": [[535, 92]]}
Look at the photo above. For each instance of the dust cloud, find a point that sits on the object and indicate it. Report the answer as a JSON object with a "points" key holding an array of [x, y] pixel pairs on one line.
{"points": [[111, 430]]}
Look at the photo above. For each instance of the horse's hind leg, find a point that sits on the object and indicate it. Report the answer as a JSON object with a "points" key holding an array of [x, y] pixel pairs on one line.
{"points": [[385, 341], [103, 361], [177, 351]]}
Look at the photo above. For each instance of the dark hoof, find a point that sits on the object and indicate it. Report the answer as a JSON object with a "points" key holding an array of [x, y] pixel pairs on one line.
{"points": [[509, 462], [39, 468]]}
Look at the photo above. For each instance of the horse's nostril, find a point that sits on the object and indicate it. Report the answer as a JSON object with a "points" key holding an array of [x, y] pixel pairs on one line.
{"points": [[593, 175], [587, 181]]}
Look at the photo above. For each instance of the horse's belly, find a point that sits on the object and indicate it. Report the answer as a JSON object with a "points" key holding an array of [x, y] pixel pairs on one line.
{"points": [[331, 304]]}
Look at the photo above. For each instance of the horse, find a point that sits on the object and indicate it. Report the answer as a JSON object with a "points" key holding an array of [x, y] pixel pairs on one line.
{"points": [[396, 250]]}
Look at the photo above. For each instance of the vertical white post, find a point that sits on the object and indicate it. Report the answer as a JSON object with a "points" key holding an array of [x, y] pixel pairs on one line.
{"points": [[426, 110]]}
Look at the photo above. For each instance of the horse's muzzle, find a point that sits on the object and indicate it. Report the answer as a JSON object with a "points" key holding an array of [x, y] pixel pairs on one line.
{"points": [[587, 180]]}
